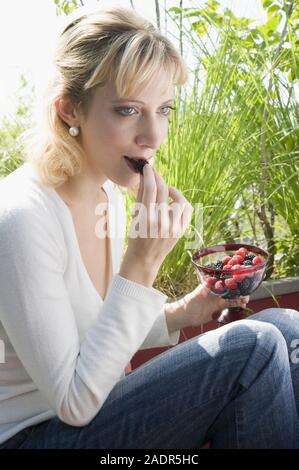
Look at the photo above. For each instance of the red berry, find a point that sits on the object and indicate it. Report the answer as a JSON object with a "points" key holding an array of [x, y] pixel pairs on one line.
{"points": [[226, 259], [239, 277], [257, 260], [210, 280], [242, 252], [236, 266], [219, 287], [233, 261], [250, 271], [227, 267], [231, 283], [239, 259]]}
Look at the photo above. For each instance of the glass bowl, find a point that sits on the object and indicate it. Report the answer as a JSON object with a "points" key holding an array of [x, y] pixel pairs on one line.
{"points": [[229, 274]]}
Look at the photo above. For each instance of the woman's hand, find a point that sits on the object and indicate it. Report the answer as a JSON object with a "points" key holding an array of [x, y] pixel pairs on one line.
{"points": [[160, 225], [201, 306]]}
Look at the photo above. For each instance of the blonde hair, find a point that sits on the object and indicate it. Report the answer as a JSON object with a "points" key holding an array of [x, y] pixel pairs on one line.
{"points": [[110, 44]]}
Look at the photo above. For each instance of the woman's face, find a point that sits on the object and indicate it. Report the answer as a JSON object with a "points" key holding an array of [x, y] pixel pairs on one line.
{"points": [[116, 128]]}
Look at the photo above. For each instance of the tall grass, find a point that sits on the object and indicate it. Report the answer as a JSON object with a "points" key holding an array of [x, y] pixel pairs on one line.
{"points": [[233, 148]]}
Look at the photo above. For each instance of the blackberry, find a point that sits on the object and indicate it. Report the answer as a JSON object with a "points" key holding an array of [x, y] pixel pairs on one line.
{"points": [[231, 294], [211, 266], [249, 257], [139, 164], [246, 285], [219, 265], [247, 262]]}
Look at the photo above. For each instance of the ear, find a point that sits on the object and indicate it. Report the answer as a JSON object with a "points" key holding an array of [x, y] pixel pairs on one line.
{"points": [[66, 109]]}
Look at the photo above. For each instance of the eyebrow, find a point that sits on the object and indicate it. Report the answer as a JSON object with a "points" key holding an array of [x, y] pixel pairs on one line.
{"points": [[137, 101]]}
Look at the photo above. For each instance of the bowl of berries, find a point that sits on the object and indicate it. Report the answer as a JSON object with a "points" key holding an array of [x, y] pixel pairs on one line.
{"points": [[230, 271]]}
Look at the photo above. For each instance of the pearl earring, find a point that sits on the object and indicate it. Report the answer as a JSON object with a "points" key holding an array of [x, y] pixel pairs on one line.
{"points": [[73, 131]]}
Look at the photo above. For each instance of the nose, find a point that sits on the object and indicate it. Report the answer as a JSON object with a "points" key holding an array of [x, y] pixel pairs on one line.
{"points": [[151, 132]]}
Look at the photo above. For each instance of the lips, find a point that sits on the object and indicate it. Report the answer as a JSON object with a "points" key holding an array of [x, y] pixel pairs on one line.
{"points": [[137, 163]]}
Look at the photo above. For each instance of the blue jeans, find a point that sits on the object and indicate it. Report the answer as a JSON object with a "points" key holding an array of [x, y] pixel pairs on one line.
{"points": [[234, 386]]}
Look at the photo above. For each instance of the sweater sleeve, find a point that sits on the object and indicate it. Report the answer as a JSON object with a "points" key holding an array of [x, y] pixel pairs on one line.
{"points": [[75, 377], [159, 335]]}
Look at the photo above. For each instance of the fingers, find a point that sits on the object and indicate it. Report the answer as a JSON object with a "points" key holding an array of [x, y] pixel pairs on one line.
{"points": [[149, 186], [140, 190], [155, 194], [186, 217], [156, 190], [182, 211], [179, 199], [162, 189], [176, 196], [238, 302]]}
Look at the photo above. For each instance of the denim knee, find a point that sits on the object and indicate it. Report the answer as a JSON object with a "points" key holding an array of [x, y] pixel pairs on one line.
{"points": [[283, 314], [241, 338], [254, 334], [264, 349], [284, 319]]}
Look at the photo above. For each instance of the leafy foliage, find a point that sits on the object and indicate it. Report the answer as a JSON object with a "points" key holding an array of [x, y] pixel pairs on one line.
{"points": [[66, 6], [12, 127], [241, 142]]}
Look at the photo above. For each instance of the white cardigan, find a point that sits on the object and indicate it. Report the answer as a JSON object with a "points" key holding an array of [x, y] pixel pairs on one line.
{"points": [[65, 348]]}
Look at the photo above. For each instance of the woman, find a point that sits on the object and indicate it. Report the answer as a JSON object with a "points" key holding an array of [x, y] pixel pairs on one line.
{"points": [[70, 328]]}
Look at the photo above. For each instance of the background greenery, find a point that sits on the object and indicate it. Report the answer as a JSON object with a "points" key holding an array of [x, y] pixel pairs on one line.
{"points": [[233, 140]]}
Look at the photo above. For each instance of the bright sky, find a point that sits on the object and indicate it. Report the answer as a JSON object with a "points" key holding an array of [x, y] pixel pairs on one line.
{"points": [[28, 30]]}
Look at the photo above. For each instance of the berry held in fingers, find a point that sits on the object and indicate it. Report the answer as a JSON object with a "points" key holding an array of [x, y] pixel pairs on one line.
{"points": [[137, 163]]}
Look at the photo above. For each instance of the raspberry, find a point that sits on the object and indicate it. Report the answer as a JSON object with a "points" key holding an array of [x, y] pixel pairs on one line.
{"points": [[242, 252], [238, 258], [239, 277], [236, 266], [251, 271], [219, 287], [210, 280], [226, 259], [231, 283], [257, 260], [227, 267]]}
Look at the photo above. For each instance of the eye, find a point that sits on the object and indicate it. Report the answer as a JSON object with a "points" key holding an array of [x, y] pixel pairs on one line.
{"points": [[124, 108], [169, 108]]}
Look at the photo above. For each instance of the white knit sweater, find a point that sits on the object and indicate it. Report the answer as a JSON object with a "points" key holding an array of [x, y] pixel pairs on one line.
{"points": [[64, 347]]}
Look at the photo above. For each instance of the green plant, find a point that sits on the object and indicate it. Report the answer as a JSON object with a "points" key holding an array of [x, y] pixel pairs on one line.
{"points": [[12, 128], [230, 132]]}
